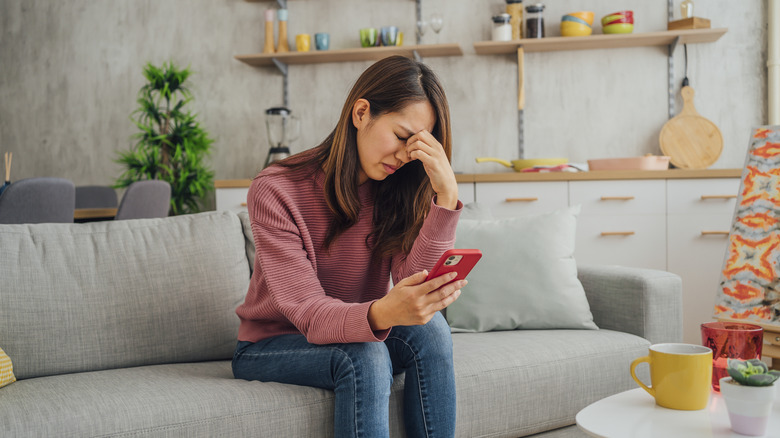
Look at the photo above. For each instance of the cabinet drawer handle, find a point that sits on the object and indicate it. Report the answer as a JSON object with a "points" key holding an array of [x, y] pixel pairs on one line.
{"points": [[706, 197], [617, 198], [521, 199], [617, 233], [714, 233], [243, 204]]}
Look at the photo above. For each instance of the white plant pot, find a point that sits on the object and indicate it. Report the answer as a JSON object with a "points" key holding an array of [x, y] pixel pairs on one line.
{"points": [[749, 407]]}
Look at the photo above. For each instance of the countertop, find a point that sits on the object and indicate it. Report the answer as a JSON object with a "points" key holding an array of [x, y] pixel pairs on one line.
{"points": [[595, 175]]}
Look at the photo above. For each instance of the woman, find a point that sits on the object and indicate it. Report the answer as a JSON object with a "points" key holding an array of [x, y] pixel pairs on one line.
{"points": [[377, 197]]}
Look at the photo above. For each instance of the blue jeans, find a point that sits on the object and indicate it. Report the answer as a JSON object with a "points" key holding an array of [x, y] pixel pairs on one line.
{"points": [[360, 374]]}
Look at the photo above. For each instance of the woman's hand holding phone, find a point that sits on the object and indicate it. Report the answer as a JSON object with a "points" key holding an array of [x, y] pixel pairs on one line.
{"points": [[414, 301]]}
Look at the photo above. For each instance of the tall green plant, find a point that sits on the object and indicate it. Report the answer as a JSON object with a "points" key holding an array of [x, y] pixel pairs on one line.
{"points": [[172, 145]]}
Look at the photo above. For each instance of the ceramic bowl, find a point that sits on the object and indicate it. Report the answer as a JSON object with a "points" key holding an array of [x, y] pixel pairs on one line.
{"points": [[619, 20], [619, 28], [584, 15], [618, 15], [573, 19], [572, 29]]}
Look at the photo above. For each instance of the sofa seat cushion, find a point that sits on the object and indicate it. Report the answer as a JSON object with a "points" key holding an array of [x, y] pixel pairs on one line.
{"points": [[510, 384], [517, 383], [188, 400]]}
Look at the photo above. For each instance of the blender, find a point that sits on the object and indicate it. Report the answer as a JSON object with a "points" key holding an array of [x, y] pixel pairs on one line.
{"points": [[283, 128]]}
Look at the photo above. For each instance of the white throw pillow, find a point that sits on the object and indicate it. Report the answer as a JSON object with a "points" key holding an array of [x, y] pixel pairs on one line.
{"points": [[527, 278]]}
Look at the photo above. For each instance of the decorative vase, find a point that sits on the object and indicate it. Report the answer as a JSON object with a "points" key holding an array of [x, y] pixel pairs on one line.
{"points": [[749, 407]]}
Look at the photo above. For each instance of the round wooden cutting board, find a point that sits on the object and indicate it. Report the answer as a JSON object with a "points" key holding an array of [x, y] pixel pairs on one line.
{"points": [[691, 141]]}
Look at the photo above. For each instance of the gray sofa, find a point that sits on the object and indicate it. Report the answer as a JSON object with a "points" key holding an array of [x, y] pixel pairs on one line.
{"points": [[127, 328]]}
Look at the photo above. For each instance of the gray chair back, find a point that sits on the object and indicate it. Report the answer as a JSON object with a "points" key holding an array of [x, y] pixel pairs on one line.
{"points": [[96, 197], [38, 200], [145, 199]]}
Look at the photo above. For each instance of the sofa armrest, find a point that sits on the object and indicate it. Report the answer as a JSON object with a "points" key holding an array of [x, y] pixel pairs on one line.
{"points": [[643, 302]]}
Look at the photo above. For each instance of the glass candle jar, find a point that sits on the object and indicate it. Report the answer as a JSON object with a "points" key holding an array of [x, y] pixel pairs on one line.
{"points": [[502, 30]]}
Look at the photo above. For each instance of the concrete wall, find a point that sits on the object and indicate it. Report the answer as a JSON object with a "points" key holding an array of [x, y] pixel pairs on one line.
{"points": [[70, 71]]}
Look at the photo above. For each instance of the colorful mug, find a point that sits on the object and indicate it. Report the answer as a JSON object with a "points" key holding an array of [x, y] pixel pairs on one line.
{"points": [[303, 42], [322, 41], [680, 375]]}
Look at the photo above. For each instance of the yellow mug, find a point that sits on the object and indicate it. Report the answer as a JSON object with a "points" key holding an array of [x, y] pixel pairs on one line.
{"points": [[303, 42], [680, 375]]}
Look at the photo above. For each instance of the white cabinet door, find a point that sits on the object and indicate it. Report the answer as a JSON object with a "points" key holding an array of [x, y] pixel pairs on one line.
{"points": [[700, 215], [233, 199], [466, 192], [522, 198], [621, 223]]}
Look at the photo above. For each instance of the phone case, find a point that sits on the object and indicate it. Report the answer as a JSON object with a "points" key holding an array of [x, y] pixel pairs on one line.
{"points": [[458, 260]]}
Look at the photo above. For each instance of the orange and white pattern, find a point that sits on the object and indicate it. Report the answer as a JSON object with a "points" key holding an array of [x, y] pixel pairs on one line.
{"points": [[750, 279]]}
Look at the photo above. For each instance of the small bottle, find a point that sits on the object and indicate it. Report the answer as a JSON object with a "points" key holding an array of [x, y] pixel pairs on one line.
{"points": [[269, 31], [283, 45], [515, 10], [534, 23], [502, 30], [686, 7]]}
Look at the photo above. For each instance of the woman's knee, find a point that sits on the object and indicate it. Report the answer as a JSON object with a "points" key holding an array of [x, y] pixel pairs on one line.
{"points": [[363, 362]]}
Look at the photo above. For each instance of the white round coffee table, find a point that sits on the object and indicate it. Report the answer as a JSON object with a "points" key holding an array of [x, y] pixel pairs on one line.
{"points": [[634, 414]]}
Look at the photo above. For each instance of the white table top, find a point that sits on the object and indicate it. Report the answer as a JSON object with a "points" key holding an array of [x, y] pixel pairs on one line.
{"points": [[634, 414]]}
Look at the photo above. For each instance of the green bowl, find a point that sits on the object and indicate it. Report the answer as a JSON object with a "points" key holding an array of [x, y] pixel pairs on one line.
{"points": [[619, 28]]}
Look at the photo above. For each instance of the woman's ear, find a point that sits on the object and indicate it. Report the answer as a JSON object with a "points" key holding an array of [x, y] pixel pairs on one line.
{"points": [[360, 113]]}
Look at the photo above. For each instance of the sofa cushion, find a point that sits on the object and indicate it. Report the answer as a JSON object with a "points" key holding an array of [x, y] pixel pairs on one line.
{"points": [[527, 277], [83, 297], [520, 382]]}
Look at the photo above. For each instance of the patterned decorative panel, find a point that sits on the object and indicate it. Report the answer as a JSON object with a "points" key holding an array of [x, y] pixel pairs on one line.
{"points": [[750, 280]]}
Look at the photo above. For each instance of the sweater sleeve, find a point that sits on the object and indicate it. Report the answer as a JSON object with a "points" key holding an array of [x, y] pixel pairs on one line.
{"points": [[288, 270], [436, 236]]}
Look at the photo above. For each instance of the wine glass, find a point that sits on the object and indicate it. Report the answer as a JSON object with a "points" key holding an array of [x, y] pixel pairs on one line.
{"points": [[421, 27], [437, 22]]}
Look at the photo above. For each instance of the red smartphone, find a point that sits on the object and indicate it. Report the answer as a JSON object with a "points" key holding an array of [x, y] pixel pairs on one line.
{"points": [[458, 260]]}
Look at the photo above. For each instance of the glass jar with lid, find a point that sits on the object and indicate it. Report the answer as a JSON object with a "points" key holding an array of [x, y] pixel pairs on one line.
{"points": [[515, 10], [502, 30], [534, 22]]}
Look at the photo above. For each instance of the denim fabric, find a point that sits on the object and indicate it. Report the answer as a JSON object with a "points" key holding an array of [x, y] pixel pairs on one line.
{"points": [[360, 374]]}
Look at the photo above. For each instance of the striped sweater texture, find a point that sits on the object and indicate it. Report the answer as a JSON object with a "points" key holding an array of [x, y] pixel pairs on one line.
{"points": [[298, 287]]}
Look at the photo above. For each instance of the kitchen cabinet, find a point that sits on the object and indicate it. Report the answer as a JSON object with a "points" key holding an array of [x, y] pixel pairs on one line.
{"points": [[699, 217], [620, 223]]}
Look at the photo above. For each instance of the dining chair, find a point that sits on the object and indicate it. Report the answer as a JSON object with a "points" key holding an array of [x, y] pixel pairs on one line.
{"points": [[145, 199], [96, 197], [38, 200]]}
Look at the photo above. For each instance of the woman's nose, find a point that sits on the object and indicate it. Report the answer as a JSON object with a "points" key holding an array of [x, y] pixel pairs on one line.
{"points": [[403, 155]]}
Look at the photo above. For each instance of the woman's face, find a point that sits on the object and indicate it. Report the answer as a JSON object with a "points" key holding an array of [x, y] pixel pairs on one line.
{"points": [[381, 142]]}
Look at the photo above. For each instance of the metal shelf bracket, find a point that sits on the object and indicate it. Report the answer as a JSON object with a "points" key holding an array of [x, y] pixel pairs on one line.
{"points": [[285, 85]]}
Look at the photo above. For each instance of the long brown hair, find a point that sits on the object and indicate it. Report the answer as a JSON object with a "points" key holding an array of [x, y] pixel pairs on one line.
{"points": [[402, 200]]}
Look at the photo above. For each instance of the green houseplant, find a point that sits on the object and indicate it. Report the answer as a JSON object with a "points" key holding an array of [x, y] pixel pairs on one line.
{"points": [[172, 145], [749, 393]]}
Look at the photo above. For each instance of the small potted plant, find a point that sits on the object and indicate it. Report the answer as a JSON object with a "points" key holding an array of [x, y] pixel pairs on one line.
{"points": [[749, 392]]}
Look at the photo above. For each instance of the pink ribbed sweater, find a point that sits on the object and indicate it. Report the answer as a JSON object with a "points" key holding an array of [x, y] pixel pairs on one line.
{"points": [[297, 287]]}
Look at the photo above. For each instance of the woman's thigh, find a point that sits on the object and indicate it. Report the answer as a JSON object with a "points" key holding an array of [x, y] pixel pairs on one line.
{"points": [[292, 359]]}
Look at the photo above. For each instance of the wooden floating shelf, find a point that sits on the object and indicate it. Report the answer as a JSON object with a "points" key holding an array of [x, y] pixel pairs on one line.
{"points": [[348, 55], [601, 41]]}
